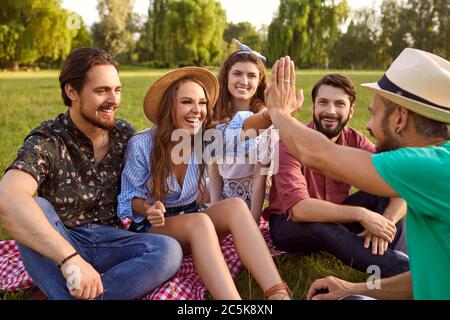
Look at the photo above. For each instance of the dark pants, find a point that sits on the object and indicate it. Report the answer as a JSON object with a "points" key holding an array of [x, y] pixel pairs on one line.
{"points": [[341, 240]]}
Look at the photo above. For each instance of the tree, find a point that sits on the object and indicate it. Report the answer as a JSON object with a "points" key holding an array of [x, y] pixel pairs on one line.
{"points": [[422, 24], [428, 23], [394, 33], [306, 30], [357, 47], [31, 30], [246, 33], [181, 32], [111, 32], [82, 37]]}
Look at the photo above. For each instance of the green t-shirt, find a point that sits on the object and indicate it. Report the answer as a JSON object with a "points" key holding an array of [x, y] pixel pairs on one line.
{"points": [[421, 176]]}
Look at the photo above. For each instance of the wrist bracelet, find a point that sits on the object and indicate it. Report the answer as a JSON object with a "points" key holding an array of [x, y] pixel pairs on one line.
{"points": [[68, 258]]}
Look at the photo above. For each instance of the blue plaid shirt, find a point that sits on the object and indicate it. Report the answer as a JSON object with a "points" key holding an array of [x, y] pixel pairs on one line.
{"points": [[137, 172]]}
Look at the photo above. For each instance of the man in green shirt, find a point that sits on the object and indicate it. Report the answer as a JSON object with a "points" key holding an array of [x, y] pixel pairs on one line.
{"points": [[410, 116]]}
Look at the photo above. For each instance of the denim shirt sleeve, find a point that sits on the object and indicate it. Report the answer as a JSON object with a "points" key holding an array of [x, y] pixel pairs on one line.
{"points": [[135, 175], [233, 133]]}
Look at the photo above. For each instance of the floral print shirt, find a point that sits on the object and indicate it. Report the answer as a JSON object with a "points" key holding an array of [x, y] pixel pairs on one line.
{"points": [[61, 159]]}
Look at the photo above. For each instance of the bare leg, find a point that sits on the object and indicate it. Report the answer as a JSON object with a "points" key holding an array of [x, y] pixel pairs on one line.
{"points": [[233, 216], [258, 191], [197, 235]]}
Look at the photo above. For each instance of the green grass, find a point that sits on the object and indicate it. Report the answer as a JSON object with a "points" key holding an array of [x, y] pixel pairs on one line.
{"points": [[299, 272], [28, 98]]}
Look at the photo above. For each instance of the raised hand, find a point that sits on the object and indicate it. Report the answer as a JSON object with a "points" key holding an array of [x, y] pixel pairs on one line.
{"points": [[155, 214], [280, 93]]}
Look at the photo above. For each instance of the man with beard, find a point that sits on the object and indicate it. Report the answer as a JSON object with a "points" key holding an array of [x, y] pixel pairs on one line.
{"points": [[68, 236], [309, 211], [410, 116]]}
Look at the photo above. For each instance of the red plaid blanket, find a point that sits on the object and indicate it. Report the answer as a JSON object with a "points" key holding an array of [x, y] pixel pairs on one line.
{"points": [[185, 285]]}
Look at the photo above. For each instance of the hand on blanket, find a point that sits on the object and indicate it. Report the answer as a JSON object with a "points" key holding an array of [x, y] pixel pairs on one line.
{"points": [[83, 281], [155, 214]]}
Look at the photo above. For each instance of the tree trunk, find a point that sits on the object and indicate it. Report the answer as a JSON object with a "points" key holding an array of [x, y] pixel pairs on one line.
{"points": [[15, 66]]}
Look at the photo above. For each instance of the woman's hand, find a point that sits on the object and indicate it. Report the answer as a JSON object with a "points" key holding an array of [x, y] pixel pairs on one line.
{"points": [[155, 214]]}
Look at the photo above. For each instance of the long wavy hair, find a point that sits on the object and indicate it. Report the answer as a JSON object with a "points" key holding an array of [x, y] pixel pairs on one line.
{"points": [[223, 111], [161, 163]]}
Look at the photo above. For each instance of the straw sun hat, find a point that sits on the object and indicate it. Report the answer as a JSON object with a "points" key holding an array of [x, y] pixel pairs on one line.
{"points": [[152, 100], [418, 81]]}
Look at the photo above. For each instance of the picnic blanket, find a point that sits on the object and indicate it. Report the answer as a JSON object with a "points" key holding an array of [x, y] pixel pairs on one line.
{"points": [[185, 285]]}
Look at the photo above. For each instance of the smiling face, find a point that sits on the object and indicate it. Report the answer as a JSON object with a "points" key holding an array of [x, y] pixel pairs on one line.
{"points": [[190, 107], [243, 81], [100, 97], [332, 110]]}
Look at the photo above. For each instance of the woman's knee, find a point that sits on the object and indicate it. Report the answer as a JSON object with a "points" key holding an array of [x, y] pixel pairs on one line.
{"points": [[199, 224], [239, 211]]}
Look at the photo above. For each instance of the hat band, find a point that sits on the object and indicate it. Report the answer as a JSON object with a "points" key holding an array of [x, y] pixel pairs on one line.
{"points": [[388, 85]]}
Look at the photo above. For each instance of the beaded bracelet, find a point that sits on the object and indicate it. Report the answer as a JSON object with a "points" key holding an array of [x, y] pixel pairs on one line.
{"points": [[68, 258]]}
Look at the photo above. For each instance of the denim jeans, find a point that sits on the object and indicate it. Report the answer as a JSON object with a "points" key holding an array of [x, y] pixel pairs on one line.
{"points": [[130, 264], [341, 240]]}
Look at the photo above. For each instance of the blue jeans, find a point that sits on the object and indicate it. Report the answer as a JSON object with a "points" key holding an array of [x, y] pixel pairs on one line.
{"points": [[341, 240], [130, 264]]}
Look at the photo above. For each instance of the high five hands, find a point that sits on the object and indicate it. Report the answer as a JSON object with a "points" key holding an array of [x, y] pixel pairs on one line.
{"points": [[280, 93]]}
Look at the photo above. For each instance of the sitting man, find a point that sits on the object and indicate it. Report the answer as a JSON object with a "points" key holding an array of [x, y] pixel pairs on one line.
{"points": [[68, 236], [410, 117], [309, 211]]}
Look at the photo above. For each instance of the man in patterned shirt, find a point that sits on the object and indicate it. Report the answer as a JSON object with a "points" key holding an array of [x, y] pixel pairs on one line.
{"points": [[68, 236]]}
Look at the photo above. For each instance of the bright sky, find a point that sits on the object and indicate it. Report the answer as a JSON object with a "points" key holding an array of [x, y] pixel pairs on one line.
{"points": [[257, 12]]}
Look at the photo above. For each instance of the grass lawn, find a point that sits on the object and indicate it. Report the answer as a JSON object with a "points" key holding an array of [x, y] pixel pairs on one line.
{"points": [[27, 99]]}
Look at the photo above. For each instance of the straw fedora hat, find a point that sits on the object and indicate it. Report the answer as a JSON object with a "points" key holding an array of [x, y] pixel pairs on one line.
{"points": [[152, 100], [418, 81]]}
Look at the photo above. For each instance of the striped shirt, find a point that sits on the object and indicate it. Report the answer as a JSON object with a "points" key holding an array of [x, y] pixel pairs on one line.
{"points": [[137, 173]]}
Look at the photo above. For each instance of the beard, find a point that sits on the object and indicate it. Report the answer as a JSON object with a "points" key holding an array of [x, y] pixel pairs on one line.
{"points": [[334, 132], [389, 143], [95, 121]]}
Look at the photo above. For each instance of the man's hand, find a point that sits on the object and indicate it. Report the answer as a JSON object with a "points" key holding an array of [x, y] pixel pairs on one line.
{"points": [[155, 214], [330, 288], [379, 245], [280, 94], [83, 281], [378, 225]]}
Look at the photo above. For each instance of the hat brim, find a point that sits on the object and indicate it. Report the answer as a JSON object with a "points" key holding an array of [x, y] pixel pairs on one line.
{"points": [[152, 100], [423, 109]]}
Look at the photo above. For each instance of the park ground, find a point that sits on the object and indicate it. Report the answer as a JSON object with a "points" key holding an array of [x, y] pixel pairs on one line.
{"points": [[28, 98]]}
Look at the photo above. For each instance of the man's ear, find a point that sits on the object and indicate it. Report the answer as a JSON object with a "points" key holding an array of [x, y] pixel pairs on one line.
{"points": [[352, 110], [71, 92], [402, 116]]}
